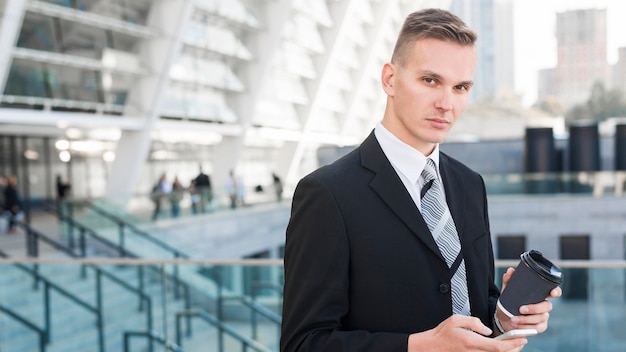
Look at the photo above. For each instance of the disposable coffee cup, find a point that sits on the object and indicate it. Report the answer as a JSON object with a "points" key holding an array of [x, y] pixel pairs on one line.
{"points": [[532, 281]]}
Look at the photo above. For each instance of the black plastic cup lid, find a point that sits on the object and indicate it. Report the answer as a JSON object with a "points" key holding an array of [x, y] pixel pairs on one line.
{"points": [[542, 266]]}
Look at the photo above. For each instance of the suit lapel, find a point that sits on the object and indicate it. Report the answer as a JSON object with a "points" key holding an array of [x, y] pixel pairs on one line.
{"points": [[387, 184]]}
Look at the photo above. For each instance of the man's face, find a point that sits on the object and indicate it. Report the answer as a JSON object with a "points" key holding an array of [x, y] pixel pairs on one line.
{"points": [[428, 93]]}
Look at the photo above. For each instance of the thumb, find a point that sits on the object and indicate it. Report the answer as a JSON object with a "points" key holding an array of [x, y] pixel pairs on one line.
{"points": [[506, 277]]}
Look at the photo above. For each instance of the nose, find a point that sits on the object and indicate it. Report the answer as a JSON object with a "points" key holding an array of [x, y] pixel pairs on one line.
{"points": [[444, 100]]}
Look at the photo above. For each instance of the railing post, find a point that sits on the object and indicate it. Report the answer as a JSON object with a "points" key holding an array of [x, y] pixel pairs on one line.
{"points": [[83, 243], [70, 216], [179, 340], [220, 337], [99, 307], [150, 322], [176, 277], [46, 299], [121, 239], [141, 290]]}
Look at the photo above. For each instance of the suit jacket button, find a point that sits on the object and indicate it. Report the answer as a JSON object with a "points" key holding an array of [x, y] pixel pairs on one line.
{"points": [[444, 288]]}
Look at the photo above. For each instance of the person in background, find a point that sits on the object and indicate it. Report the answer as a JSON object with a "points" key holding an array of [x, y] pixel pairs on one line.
{"points": [[202, 186], [176, 195], [12, 204], [160, 191], [232, 187], [388, 248], [278, 186], [3, 184], [63, 191]]}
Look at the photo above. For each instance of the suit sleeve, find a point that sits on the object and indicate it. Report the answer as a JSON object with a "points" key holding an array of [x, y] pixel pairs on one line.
{"points": [[317, 279]]}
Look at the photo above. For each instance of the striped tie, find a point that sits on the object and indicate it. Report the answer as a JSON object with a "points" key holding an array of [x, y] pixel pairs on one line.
{"points": [[441, 225]]}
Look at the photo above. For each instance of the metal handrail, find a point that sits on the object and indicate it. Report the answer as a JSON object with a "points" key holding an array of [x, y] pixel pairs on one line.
{"points": [[169, 345], [203, 315], [84, 230], [255, 309], [122, 223], [124, 252], [40, 332], [143, 298], [50, 285]]}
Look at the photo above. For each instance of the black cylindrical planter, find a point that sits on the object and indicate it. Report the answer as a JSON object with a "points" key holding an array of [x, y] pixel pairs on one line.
{"points": [[584, 153], [540, 162], [620, 147], [584, 148]]}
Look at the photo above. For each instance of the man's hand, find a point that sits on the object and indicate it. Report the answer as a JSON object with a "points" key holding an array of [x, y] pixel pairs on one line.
{"points": [[462, 333], [532, 316]]}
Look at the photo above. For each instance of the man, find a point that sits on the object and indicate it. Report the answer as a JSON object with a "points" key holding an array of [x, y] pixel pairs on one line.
{"points": [[202, 185], [363, 269], [12, 204]]}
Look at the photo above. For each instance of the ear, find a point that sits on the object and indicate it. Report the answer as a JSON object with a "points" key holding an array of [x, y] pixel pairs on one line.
{"points": [[387, 78]]}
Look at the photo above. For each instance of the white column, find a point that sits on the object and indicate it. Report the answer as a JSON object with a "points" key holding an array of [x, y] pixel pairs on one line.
{"points": [[12, 16], [264, 44], [339, 12], [157, 54]]}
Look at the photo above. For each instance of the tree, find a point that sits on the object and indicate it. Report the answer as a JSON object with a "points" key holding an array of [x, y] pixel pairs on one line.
{"points": [[551, 106], [601, 105]]}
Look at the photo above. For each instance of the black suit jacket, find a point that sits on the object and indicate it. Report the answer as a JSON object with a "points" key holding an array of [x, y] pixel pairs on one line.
{"points": [[362, 270]]}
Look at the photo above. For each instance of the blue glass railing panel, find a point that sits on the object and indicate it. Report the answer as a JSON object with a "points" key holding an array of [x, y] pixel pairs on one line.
{"points": [[224, 306]]}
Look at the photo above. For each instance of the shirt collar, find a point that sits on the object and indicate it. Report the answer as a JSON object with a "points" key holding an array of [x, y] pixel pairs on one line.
{"points": [[404, 158]]}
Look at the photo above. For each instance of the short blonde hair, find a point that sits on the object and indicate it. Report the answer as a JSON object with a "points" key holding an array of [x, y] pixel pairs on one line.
{"points": [[431, 24]]}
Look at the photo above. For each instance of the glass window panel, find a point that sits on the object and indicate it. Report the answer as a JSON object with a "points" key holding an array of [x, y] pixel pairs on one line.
{"points": [[340, 77], [364, 12], [204, 72], [203, 105], [348, 55], [26, 78], [53, 81], [357, 32], [304, 31], [333, 99], [135, 11], [37, 32], [295, 59], [56, 35], [286, 87], [316, 9], [325, 122], [216, 39], [273, 113]]}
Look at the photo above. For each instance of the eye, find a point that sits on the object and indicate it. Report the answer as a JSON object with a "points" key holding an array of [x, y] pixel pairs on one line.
{"points": [[429, 80], [462, 87]]}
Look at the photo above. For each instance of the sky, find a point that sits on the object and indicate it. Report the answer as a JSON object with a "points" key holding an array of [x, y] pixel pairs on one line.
{"points": [[535, 42]]}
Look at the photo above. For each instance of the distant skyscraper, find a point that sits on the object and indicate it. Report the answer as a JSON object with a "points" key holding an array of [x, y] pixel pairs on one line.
{"points": [[493, 20], [582, 54], [619, 71]]}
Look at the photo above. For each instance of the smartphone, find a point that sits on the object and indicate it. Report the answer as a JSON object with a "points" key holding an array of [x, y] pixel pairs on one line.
{"points": [[517, 333]]}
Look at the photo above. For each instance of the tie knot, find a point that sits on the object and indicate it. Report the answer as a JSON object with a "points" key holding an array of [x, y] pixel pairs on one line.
{"points": [[429, 172]]}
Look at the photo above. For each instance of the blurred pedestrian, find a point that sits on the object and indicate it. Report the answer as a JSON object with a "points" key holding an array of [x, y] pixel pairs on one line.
{"points": [[176, 196], [12, 204], [202, 185], [63, 192], [278, 186], [160, 190]]}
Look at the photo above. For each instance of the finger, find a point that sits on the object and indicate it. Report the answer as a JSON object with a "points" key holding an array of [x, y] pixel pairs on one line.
{"points": [[506, 277], [527, 320], [471, 323], [556, 292], [538, 308]]}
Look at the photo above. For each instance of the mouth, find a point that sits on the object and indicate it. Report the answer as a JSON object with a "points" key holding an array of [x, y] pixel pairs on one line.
{"points": [[439, 123]]}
